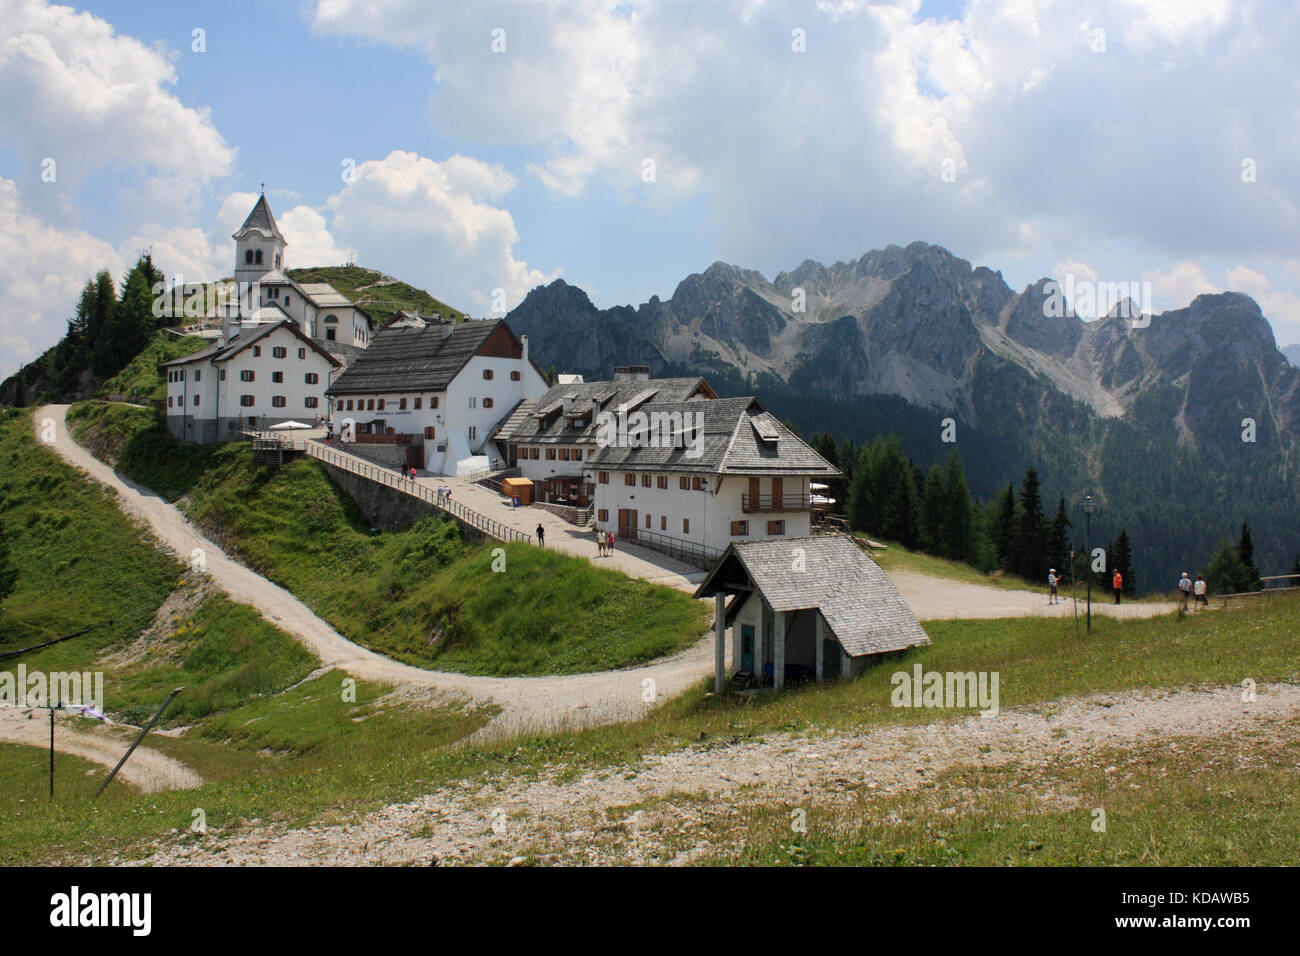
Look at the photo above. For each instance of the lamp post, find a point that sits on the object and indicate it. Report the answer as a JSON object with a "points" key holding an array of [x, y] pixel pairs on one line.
{"points": [[1089, 506]]}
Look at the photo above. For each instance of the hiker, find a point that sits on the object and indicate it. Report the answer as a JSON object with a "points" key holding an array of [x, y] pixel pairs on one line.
{"points": [[1118, 584], [609, 543], [1199, 590], [541, 535], [1185, 589], [600, 543], [1051, 585]]}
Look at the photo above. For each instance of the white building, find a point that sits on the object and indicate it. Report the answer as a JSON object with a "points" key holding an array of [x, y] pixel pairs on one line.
{"points": [[445, 384], [692, 477], [270, 374], [281, 344], [551, 438]]}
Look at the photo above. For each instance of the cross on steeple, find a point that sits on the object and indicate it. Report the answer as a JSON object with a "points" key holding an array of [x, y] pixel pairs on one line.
{"points": [[263, 189]]}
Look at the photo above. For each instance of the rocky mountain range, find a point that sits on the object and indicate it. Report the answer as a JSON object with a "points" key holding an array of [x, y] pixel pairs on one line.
{"points": [[1193, 414]]}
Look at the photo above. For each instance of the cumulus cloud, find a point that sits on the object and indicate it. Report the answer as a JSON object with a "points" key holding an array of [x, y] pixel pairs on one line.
{"points": [[435, 223]]}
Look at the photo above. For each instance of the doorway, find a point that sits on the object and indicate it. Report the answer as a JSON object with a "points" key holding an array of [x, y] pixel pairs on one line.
{"points": [[747, 648], [627, 524]]}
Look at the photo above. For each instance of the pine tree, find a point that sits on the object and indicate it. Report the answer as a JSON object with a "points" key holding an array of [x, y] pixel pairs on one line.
{"points": [[1121, 559], [1003, 527], [958, 526], [1029, 542], [933, 509], [1295, 569], [1058, 539], [1246, 552], [861, 494], [1225, 574]]}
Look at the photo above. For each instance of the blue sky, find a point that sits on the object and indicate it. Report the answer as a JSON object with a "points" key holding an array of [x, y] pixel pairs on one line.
{"points": [[500, 144]]}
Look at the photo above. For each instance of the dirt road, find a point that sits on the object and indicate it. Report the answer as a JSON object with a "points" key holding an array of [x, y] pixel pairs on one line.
{"points": [[592, 820], [147, 769]]}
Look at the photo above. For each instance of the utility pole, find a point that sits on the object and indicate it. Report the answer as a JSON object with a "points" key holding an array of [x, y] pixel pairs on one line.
{"points": [[1089, 506]]}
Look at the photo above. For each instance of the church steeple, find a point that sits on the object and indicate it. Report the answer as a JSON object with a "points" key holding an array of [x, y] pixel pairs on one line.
{"points": [[259, 244]]}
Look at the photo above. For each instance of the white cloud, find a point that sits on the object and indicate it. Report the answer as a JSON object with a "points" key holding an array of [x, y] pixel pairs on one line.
{"points": [[1280, 306], [1173, 288], [431, 223]]}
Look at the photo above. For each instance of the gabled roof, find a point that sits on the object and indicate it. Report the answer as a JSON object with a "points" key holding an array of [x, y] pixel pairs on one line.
{"points": [[407, 359], [855, 597], [722, 437], [261, 220], [228, 350], [541, 421]]}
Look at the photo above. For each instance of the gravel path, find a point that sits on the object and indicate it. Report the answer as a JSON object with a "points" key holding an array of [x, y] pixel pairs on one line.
{"points": [[934, 599], [148, 770], [492, 820]]}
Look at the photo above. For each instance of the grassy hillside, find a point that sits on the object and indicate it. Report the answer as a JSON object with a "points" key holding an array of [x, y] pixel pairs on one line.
{"points": [[141, 379], [425, 596], [381, 296]]}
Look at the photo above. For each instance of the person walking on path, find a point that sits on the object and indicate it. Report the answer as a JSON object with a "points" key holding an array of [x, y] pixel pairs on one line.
{"points": [[541, 535], [1184, 589], [1051, 585], [1198, 589], [1118, 584], [609, 544], [600, 543]]}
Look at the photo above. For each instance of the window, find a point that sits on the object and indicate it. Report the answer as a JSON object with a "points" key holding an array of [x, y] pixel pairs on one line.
{"points": [[603, 477], [487, 373], [537, 453], [683, 483], [277, 401], [686, 526], [515, 376], [663, 522], [222, 375], [311, 378], [329, 335], [277, 377], [645, 481], [417, 402], [550, 454], [196, 399], [564, 454], [647, 521], [381, 404], [198, 374], [257, 351], [602, 514], [170, 399], [473, 402], [739, 528], [370, 405], [577, 454], [257, 257], [349, 406], [401, 403], [629, 479], [246, 375], [287, 297], [472, 432], [433, 401], [246, 400], [429, 432], [302, 353], [663, 481], [311, 401], [487, 403], [279, 351], [248, 257], [776, 527], [697, 484]]}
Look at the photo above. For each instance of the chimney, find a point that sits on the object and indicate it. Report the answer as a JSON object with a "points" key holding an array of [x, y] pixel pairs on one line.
{"points": [[632, 373], [523, 362]]}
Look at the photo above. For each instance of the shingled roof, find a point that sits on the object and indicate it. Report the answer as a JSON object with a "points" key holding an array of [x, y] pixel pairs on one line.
{"points": [[541, 421], [734, 436], [225, 350], [262, 220], [404, 359], [828, 572]]}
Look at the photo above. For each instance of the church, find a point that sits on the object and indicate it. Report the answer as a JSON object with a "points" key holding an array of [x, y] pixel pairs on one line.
{"points": [[282, 344]]}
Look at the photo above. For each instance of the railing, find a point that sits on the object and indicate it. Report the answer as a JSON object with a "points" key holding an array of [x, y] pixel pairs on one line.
{"points": [[386, 476], [570, 513], [688, 551], [750, 504]]}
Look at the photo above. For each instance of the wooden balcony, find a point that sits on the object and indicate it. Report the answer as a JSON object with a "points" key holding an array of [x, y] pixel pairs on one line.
{"points": [[757, 504]]}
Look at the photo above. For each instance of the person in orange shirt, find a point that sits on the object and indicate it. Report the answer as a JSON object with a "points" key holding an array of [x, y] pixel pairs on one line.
{"points": [[1118, 585]]}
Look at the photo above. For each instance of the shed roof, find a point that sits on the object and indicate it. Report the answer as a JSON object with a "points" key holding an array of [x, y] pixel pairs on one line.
{"points": [[829, 572]]}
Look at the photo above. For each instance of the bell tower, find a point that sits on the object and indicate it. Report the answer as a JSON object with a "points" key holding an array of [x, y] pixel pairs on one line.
{"points": [[259, 248]]}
